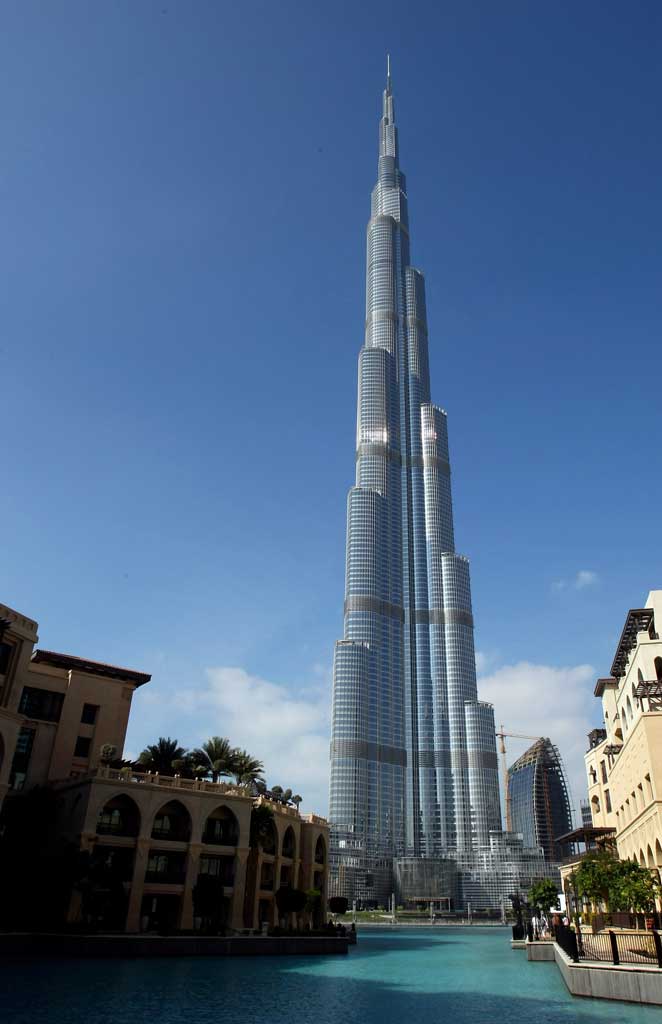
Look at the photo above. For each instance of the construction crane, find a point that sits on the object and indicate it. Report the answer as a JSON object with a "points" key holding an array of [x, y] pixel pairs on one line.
{"points": [[502, 750]]}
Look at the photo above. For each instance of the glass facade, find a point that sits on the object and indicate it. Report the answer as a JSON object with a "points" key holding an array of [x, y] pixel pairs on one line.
{"points": [[413, 753], [538, 798]]}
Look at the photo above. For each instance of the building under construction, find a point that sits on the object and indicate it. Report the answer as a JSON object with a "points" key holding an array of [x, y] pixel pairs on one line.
{"points": [[539, 800]]}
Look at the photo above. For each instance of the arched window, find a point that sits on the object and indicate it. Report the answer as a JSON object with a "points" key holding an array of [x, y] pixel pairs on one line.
{"points": [[289, 843], [221, 828], [629, 707], [658, 669], [320, 850], [172, 822], [119, 817]]}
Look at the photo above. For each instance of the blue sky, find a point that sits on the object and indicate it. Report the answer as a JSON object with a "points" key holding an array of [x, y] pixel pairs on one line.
{"points": [[184, 191]]}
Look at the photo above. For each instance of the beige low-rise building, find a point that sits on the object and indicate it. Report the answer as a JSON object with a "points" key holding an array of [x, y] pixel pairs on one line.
{"points": [[152, 836], [56, 710], [159, 834], [624, 760]]}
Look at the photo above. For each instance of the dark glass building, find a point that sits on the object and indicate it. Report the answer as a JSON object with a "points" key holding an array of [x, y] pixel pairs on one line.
{"points": [[538, 799]]}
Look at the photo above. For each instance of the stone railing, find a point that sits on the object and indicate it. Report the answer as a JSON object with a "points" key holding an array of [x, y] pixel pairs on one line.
{"points": [[315, 819], [131, 777], [277, 807]]}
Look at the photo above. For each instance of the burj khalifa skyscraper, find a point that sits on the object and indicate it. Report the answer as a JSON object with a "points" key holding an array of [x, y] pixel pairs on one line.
{"points": [[413, 751]]}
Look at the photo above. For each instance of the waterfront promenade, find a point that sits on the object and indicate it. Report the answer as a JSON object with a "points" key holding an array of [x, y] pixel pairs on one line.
{"points": [[469, 976]]}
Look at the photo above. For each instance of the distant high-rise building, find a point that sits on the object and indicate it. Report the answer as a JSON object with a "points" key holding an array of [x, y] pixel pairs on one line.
{"points": [[539, 799], [413, 752], [587, 819]]}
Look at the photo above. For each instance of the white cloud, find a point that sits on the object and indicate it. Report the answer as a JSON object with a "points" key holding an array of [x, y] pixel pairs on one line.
{"points": [[543, 700], [582, 579], [486, 660], [287, 730], [585, 578]]}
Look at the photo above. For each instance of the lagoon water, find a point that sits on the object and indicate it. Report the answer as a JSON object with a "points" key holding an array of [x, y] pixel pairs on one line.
{"points": [[393, 976]]}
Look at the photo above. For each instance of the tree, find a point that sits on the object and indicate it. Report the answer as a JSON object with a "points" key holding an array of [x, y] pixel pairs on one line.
{"points": [[209, 903], [277, 793], [289, 900], [215, 757], [262, 826], [296, 800], [633, 887], [543, 895], [159, 757], [246, 769], [107, 752], [314, 905], [287, 796], [593, 878], [37, 866], [338, 904]]}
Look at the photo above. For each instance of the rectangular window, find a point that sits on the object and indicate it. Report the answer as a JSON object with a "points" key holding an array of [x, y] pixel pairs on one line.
{"points": [[19, 768], [5, 657], [82, 748], [89, 715], [607, 801], [603, 771], [210, 866], [43, 704]]}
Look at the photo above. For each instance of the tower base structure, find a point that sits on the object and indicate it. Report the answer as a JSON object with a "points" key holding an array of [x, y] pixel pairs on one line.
{"points": [[482, 879]]}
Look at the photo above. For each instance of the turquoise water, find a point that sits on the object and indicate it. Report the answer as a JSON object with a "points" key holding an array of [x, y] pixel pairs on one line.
{"points": [[450, 975]]}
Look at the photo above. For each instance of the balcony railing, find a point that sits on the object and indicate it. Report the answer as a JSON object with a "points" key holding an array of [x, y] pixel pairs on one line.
{"points": [[174, 835], [120, 828], [175, 876], [214, 839]]}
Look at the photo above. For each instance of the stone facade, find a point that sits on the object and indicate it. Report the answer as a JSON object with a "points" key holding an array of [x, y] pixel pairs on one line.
{"points": [[624, 762], [164, 832], [56, 710], [154, 835]]}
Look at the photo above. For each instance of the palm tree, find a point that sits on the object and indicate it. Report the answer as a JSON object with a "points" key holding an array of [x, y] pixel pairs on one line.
{"points": [[246, 769], [277, 793], [215, 757], [287, 796], [296, 800], [158, 757]]}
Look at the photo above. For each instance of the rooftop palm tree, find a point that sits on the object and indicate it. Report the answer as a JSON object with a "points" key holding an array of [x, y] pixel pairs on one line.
{"points": [[246, 769], [296, 800], [158, 757], [215, 757]]}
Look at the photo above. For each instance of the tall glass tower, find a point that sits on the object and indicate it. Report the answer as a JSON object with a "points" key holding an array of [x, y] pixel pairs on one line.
{"points": [[413, 751]]}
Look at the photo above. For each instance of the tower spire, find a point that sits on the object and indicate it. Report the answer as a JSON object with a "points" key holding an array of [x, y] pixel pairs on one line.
{"points": [[388, 72]]}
